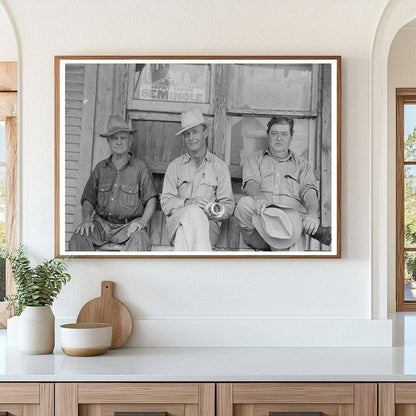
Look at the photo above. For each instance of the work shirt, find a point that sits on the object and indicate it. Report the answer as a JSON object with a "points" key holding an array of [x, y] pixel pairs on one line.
{"points": [[284, 182], [119, 195], [183, 180]]}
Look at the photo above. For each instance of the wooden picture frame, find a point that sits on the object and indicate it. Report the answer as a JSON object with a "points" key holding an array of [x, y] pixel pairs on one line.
{"points": [[237, 96]]}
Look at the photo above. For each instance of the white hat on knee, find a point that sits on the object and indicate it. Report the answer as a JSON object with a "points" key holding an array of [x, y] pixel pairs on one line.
{"points": [[279, 227]]}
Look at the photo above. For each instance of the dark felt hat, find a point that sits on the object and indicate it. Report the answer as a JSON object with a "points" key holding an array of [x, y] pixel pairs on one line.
{"points": [[116, 124]]}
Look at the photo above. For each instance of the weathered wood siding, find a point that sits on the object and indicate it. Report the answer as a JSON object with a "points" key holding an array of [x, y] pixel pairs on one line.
{"points": [[74, 95], [326, 174]]}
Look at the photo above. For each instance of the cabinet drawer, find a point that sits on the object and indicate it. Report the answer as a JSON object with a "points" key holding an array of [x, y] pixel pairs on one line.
{"points": [[296, 399], [21, 399], [19, 393], [107, 399], [138, 393]]}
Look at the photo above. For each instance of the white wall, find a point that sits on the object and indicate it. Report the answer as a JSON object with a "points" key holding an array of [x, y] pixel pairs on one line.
{"points": [[401, 74], [8, 47], [224, 301]]}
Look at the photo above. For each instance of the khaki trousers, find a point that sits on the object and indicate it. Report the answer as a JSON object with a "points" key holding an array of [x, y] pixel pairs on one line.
{"points": [[189, 229]]}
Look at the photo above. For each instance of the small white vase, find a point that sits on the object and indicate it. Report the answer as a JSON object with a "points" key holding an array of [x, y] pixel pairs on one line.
{"points": [[37, 330]]}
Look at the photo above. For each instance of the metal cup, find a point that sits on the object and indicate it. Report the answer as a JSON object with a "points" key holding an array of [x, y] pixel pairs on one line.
{"points": [[214, 209]]}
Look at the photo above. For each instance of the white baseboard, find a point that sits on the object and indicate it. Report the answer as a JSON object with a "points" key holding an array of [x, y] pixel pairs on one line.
{"points": [[258, 332]]}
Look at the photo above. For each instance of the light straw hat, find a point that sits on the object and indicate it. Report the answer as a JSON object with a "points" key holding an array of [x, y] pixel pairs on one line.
{"points": [[191, 119], [280, 227]]}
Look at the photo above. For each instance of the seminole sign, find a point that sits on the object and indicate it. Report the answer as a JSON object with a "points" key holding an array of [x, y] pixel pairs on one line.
{"points": [[177, 82], [172, 93]]}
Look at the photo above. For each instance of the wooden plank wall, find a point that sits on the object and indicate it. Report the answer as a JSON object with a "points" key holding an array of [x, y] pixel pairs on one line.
{"points": [[74, 95], [326, 149], [156, 143], [87, 135], [314, 139]]}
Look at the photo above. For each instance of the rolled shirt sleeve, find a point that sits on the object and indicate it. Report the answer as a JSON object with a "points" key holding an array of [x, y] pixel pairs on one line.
{"points": [[170, 200], [146, 183], [225, 194], [251, 170], [90, 190], [307, 181]]}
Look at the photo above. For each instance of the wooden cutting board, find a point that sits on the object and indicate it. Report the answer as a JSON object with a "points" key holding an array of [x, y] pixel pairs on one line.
{"points": [[107, 309]]}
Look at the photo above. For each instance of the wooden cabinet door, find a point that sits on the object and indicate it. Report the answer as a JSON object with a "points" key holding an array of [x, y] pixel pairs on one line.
{"points": [[153, 399], [27, 399], [297, 399], [397, 399]]}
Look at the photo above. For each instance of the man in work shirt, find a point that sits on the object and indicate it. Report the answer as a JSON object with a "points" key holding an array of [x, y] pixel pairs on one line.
{"points": [[193, 182], [119, 198], [277, 176]]}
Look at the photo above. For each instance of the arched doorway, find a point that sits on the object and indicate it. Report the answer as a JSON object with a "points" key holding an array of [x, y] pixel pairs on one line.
{"points": [[396, 14]]}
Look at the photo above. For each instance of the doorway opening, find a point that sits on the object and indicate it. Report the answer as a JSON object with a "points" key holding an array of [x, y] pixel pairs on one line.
{"points": [[8, 173]]}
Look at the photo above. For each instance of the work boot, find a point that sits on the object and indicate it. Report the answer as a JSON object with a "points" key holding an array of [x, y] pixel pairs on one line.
{"points": [[323, 235]]}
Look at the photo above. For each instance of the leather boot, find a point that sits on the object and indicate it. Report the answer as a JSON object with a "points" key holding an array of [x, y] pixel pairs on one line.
{"points": [[323, 235]]}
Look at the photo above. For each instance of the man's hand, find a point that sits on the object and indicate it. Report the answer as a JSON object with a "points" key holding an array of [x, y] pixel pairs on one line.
{"points": [[215, 211], [86, 227], [310, 223], [259, 205], [198, 201], [133, 227]]}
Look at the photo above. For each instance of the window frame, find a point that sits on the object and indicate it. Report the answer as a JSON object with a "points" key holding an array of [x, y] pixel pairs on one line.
{"points": [[8, 112], [312, 112], [403, 96]]}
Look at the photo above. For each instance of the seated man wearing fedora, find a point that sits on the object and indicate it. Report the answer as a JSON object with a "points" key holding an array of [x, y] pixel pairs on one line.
{"points": [[281, 203], [119, 198], [197, 192]]}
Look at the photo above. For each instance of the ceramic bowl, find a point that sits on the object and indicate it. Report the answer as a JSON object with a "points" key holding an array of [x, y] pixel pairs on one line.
{"points": [[83, 340]]}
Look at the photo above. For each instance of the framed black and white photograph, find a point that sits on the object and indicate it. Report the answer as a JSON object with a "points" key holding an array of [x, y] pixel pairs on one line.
{"points": [[198, 156]]}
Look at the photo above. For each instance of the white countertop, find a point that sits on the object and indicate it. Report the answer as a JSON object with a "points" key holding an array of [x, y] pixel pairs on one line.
{"points": [[213, 364], [222, 364]]}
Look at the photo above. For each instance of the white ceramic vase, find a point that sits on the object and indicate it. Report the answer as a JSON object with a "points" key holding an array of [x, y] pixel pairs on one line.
{"points": [[37, 330]]}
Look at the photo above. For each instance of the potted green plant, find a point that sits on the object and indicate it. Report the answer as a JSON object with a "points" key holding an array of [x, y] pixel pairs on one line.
{"points": [[36, 289]]}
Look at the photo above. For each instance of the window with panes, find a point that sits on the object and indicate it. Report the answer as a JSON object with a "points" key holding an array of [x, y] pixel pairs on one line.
{"points": [[406, 199]]}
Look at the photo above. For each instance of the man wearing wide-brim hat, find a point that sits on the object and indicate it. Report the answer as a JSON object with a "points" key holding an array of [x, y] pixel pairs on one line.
{"points": [[118, 200], [281, 204], [194, 183]]}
